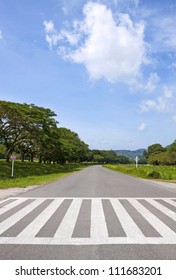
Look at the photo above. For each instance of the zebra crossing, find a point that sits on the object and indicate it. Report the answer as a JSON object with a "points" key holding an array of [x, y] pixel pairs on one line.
{"points": [[87, 221]]}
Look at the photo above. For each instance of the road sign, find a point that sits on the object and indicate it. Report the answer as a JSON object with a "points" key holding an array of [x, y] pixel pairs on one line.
{"points": [[12, 157]]}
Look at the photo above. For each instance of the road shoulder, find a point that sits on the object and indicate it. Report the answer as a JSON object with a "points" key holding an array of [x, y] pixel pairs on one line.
{"points": [[6, 193]]}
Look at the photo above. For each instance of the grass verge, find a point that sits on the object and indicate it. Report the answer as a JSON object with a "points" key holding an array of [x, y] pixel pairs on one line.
{"points": [[161, 173], [27, 173]]}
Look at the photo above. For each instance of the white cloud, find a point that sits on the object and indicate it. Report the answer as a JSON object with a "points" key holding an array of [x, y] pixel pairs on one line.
{"points": [[168, 32], [147, 105], [110, 48], [152, 82], [163, 103], [0, 34], [142, 127], [163, 31], [53, 37], [49, 26]]}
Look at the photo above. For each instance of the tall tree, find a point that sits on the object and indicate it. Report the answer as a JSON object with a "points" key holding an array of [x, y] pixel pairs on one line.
{"points": [[154, 149], [22, 123]]}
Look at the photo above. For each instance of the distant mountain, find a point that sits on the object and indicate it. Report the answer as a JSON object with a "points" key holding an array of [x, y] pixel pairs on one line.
{"points": [[131, 154]]}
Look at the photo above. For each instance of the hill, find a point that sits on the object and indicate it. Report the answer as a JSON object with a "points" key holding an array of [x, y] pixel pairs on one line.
{"points": [[131, 154]]}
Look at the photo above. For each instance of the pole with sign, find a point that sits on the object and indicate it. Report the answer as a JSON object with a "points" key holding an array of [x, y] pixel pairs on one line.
{"points": [[136, 160], [13, 157]]}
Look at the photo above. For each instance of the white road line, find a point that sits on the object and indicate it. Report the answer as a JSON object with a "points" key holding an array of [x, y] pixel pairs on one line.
{"points": [[67, 225], [94, 198], [19, 215], [11, 205], [87, 241], [170, 201], [163, 209], [162, 229], [129, 226], [33, 228], [98, 232]]}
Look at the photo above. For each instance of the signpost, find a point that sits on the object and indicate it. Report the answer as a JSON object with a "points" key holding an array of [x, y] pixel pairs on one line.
{"points": [[13, 158], [136, 160]]}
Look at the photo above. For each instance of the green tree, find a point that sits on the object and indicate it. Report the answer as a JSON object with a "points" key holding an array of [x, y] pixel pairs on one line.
{"points": [[172, 152], [72, 149], [154, 149], [21, 124], [2, 151], [103, 156], [158, 155]]}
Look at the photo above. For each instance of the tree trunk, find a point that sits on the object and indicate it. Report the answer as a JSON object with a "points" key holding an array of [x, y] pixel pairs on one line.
{"points": [[9, 152], [31, 157], [22, 156], [40, 159]]}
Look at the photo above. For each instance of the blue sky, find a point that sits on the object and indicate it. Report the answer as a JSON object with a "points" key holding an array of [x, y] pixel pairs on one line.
{"points": [[107, 68]]}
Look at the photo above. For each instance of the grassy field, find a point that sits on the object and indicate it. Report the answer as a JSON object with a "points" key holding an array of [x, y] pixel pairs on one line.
{"points": [[162, 173], [27, 173]]}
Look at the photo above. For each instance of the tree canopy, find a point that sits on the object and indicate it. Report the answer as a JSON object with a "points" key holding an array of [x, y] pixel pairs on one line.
{"points": [[103, 156], [158, 155], [32, 132]]}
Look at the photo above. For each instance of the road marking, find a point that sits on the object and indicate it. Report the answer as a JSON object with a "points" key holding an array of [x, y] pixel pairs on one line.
{"points": [[82, 226], [129, 226], [98, 224], [163, 209], [170, 201], [11, 205], [98, 227], [67, 225], [164, 230], [6, 224], [32, 229]]}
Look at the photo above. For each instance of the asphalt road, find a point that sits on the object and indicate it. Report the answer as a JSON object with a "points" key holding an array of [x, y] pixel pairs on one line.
{"points": [[95, 213]]}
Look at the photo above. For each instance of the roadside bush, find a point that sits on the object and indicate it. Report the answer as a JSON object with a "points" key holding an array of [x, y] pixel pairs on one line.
{"points": [[154, 174]]}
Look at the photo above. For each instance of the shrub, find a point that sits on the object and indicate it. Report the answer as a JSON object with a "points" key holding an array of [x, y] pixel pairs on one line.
{"points": [[154, 174]]}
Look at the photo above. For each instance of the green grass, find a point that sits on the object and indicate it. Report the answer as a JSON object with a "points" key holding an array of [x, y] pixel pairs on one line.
{"points": [[27, 173], [164, 173]]}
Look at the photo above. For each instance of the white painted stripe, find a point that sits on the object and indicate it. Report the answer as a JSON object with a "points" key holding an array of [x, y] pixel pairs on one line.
{"points": [[129, 226], [87, 241], [33, 228], [19, 215], [163, 209], [170, 201], [162, 229], [98, 231], [94, 198], [67, 225], [11, 205]]}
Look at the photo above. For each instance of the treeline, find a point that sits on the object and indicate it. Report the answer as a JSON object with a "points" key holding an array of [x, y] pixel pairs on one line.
{"points": [[32, 132], [103, 156], [158, 155]]}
